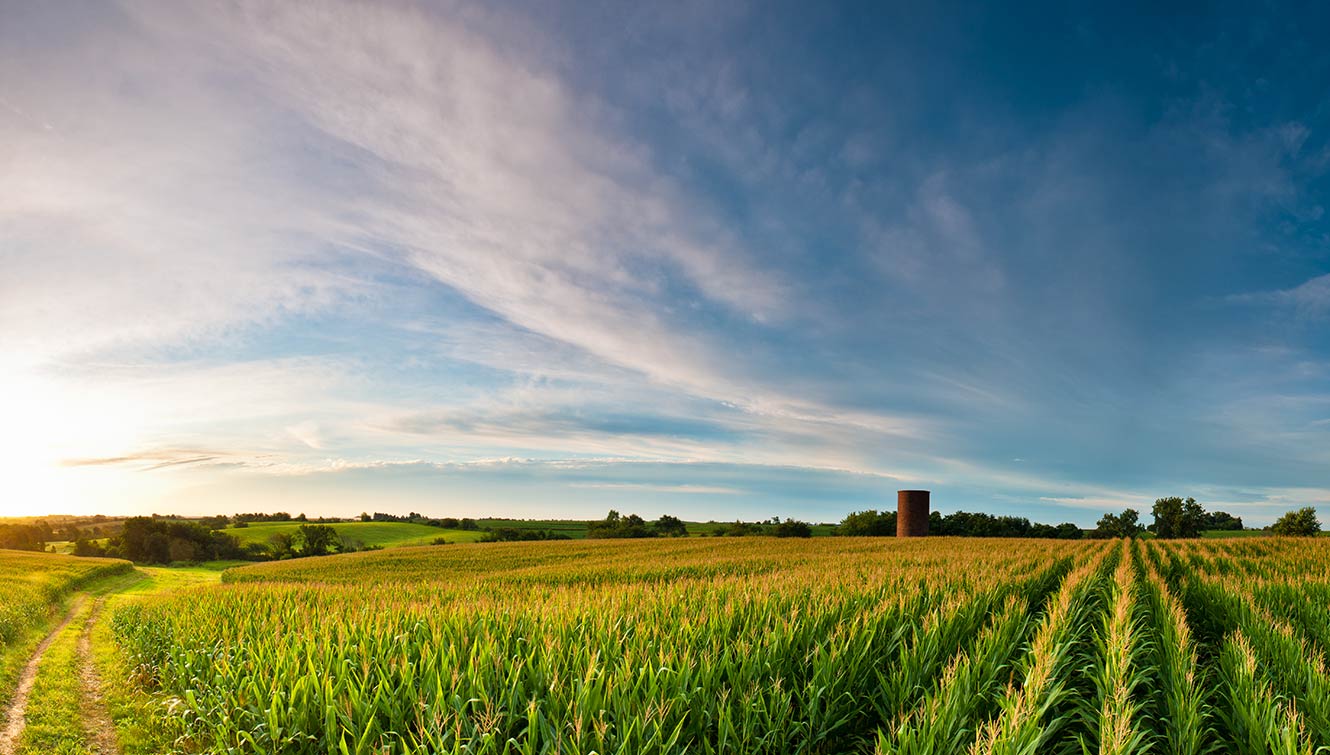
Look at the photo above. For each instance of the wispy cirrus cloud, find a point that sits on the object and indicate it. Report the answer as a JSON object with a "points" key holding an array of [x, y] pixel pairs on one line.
{"points": [[150, 461], [369, 240]]}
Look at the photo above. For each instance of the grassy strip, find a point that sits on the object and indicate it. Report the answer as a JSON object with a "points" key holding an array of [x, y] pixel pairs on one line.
{"points": [[142, 721], [14, 656], [54, 718]]}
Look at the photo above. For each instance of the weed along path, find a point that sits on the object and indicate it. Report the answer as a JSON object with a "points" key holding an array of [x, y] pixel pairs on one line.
{"points": [[16, 716], [68, 700]]}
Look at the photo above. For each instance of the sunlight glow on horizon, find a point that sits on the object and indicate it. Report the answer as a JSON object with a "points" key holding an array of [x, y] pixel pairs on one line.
{"points": [[471, 260]]}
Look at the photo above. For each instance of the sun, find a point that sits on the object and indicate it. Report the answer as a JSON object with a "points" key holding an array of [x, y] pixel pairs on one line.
{"points": [[48, 424]]}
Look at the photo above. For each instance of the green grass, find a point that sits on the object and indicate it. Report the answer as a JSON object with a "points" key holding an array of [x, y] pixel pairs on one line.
{"points": [[369, 534], [33, 586], [574, 528], [1233, 533], [140, 725], [54, 721]]}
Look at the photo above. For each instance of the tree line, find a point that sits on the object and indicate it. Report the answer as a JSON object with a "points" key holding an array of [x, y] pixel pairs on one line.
{"points": [[874, 523], [1176, 518], [616, 525], [146, 540]]}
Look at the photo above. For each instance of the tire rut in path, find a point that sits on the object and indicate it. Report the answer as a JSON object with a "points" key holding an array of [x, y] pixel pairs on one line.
{"points": [[16, 716], [96, 719]]}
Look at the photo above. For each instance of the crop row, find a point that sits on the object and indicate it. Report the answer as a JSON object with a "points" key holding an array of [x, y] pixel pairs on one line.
{"points": [[932, 646]]}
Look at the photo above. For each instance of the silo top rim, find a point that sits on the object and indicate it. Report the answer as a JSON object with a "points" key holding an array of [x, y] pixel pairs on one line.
{"points": [[912, 491]]}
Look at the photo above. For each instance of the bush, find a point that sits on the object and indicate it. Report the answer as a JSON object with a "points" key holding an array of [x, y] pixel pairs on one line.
{"points": [[615, 525], [793, 528], [1126, 524], [1300, 523], [868, 523]]}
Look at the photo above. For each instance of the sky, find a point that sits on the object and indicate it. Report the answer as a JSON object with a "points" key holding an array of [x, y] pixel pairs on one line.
{"points": [[718, 260]]}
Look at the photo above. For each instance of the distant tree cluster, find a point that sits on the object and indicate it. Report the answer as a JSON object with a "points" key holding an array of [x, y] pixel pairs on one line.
{"points": [[447, 523], [308, 540], [772, 527], [25, 537], [280, 516], [616, 525], [792, 528], [1300, 523], [1126, 524], [513, 534], [162, 540], [966, 524], [872, 523], [1176, 517], [1223, 521]]}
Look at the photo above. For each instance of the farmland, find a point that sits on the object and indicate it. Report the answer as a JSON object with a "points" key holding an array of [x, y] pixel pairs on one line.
{"points": [[368, 534], [31, 584], [751, 645], [33, 587]]}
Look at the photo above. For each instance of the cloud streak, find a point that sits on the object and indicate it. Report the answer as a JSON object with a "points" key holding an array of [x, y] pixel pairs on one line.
{"points": [[300, 239]]}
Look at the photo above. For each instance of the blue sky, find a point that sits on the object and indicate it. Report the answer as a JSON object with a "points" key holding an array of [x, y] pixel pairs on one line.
{"points": [[773, 259]]}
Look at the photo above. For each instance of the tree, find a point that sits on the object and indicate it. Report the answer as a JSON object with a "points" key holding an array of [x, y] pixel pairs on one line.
{"points": [[280, 545], [1176, 518], [1069, 531], [317, 539], [868, 523], [163, 540], [1300, 523], [1126, 524], [615, 525], [88, 548], [670, 526], [1222, 520], [793, 528]]}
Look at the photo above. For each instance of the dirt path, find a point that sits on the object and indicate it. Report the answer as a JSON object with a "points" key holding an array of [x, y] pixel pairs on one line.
{"points": [[16, 716], [96, 719]]}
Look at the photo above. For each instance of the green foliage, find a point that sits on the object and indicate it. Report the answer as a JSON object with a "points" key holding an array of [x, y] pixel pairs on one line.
{"points": [[868, 523], [1300, 523], [32, 583], [513, 535], [793, 528], [615, 525], [1126, 524], [759, 646], [1222, 521], [367, 535], [670, 526], [1176, 518], [154, 540]]}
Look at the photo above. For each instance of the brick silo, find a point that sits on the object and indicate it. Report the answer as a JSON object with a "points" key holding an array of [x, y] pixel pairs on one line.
{"points": [[911, 513]]}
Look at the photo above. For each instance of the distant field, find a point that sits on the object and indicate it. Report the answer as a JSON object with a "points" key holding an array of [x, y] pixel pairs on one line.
{"points": [[372, 534], [577, 529], [573, 528], [1234, 533]]}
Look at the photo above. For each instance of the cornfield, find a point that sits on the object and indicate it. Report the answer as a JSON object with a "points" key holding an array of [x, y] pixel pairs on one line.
{"points": [[32, 583], [752, 646]]}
